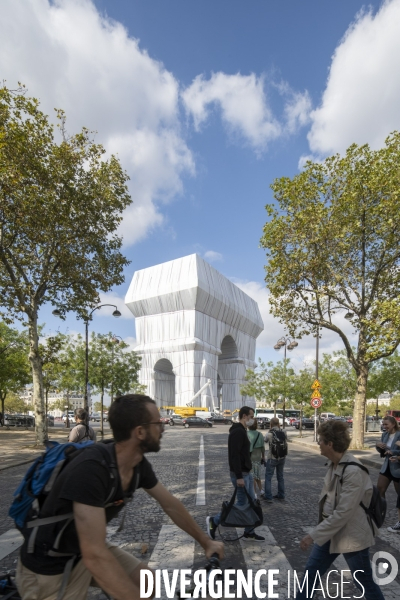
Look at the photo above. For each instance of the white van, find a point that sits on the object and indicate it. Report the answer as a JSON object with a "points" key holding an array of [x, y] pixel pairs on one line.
{"points": [[269, 415], [326, 416]]}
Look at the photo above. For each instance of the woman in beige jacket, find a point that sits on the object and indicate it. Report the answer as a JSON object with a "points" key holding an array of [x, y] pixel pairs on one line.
{"points": [[343, 526]]}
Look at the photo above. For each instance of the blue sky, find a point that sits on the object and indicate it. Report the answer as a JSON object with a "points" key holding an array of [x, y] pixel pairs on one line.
{"points": [[206, 103]]}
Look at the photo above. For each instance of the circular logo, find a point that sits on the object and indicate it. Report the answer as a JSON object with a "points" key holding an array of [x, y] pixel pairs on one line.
{"points": [[316, 402], [384, 568]]}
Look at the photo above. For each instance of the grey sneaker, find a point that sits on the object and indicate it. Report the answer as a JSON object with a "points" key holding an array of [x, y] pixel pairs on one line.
{"points": [[210, 527], [395, 528]]}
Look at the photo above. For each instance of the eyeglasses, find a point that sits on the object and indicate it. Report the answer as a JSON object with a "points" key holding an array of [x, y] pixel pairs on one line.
{"points": [[160, 423]]}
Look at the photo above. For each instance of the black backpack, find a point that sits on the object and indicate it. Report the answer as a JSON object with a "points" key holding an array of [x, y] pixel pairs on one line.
{"points": [[278, 445], [377, 507]]}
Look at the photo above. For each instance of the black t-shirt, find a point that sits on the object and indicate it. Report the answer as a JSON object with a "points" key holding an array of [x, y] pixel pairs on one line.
{"points": [[87, 479]]}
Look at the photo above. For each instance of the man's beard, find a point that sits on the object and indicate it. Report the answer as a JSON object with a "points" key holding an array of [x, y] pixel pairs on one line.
{"points": [[150, 445]]}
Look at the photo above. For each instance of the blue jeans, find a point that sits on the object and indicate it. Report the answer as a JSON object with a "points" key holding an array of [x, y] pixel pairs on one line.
{"points": [[270, 466], [320, 560], [241, 498]]}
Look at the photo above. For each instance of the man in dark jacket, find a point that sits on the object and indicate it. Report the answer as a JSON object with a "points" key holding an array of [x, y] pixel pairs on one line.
{"points": [[240, 470]]}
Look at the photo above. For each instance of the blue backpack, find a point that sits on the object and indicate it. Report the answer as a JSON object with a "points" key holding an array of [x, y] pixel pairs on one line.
{"points": [[35, 488], [38, 482]]}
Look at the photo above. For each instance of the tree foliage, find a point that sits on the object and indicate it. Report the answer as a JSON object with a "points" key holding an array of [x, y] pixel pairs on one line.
{"points": [[333, 245], [61, 202], [14, 364]]}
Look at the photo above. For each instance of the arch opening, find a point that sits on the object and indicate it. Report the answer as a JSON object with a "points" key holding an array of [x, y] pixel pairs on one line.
{"points": [[228, 348], [164, 380]]}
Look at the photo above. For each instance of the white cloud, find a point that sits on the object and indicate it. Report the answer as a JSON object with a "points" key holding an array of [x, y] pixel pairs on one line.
{"points": [[113, 298], [273, 329], [131, 341], [71, 57], [297, 111], [361, 101], [244, 106], [213, 256]]}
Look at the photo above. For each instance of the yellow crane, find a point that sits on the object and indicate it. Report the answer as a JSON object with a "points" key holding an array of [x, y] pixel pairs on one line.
{"points": [[189, 410]]}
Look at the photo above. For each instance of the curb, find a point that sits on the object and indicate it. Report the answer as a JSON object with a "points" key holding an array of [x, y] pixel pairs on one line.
{"points": [[17, 464], [28, 460], [365, 460]]}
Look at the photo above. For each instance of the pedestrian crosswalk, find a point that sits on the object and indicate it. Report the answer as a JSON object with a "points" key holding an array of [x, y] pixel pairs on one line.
{"points": [[9, 541], [175, 550]]}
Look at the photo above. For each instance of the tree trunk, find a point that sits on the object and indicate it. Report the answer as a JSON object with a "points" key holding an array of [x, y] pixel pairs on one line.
{"points": [[37, 379], [102, 407], [357, 442], [2, 398]]}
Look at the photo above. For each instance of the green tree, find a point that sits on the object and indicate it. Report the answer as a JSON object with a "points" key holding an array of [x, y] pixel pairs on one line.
{"points": [[15, 404], [97, 406], [112, 366], [14, 365], [301, 389], [53, 363], [257, 382], [385, 376], [270, 382], [339, 382], [333, 246], [61, 203]]}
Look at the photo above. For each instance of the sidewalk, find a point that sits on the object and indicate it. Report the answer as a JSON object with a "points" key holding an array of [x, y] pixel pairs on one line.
{"points": [[17, 445], [369, 458]]}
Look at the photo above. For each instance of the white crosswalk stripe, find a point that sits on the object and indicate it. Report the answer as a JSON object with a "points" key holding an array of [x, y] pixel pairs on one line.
{"points": [[174, 550], [267, 555], [10, 541], [201, 481]]}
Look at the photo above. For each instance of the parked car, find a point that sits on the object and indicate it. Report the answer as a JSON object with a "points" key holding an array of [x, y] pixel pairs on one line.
{"points": [[96, 417], [219, 420], [50, 420], [306, 424], [263, 422], [196, 422], [176, 420], [71, 416], [164, 420], [18, 420]]}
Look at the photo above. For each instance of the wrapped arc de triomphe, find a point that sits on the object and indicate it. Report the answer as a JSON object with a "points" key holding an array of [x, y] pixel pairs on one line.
{"points": [[193, 324]]}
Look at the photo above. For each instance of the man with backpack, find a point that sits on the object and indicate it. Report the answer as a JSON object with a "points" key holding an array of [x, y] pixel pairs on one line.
{"points": [[349, 516], [82, 432], [65, 548], [277, 452]]}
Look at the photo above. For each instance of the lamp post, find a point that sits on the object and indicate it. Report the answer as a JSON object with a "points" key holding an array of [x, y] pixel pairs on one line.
{"points": [[287, 343], [316, 377], [116, 313], [114, 340]]}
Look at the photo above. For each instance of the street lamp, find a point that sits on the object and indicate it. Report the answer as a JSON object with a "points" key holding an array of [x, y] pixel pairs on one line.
{"points": [[289, 344], [114, 340], [116, 313]]}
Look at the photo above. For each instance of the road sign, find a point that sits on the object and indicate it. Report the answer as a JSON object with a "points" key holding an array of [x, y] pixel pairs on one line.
{"points": [[316, 385], [316, 394], [316, 402]]}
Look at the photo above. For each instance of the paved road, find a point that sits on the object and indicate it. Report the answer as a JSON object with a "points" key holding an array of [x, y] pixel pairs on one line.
{"points": [[148, 529]]}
